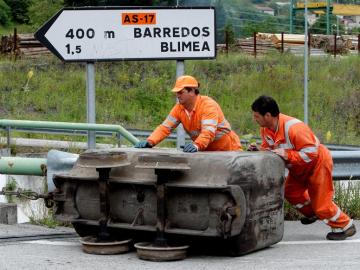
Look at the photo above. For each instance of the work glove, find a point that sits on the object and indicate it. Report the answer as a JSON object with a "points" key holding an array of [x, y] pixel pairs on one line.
{"points": [[143, 144], [190, 148]]}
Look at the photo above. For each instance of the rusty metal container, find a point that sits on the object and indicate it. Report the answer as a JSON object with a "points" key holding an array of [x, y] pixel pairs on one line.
{"points": [[232, 198]]}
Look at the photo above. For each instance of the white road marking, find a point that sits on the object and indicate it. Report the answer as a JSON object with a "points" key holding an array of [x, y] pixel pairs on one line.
{"points": [[52, 243], [349, 241]]}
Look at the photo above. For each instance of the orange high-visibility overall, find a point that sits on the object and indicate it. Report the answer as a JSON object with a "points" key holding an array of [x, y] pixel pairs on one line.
{"points": [[309, 184], [206, 126]]}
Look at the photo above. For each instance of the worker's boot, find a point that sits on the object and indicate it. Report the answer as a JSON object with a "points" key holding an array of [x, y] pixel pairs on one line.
{"points": [[308, 220], [341, 234]]}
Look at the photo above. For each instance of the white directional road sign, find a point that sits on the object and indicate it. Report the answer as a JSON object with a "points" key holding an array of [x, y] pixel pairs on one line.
{"points": [[123, 33]]}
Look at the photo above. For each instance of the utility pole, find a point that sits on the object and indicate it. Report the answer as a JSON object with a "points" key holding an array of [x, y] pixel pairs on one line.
{"points": [[292, 14], [328, 17], [306, 56]]}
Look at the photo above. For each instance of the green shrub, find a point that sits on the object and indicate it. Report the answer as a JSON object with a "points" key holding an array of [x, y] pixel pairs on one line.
{"points": [[42, 10], [5, 13], [19, 10]]}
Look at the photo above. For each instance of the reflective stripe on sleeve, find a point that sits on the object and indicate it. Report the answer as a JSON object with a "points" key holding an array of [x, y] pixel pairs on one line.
{"points": [[209, 122], [166, 125], [305, 150], [219, 135], [223, 124], [212, 129], [172, 120], [304, 157], [309, 149]]}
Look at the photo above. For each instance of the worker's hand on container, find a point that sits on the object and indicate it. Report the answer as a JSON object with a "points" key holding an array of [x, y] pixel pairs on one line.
{"points": [[252, 147], [190, 148], [143, 144], [281, 152]]}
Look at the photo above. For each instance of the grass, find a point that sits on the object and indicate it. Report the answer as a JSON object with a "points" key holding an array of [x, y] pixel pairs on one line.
{"points": [[10, 185], [39, 216], [136, 94], [347, 196], [45, 219], [21, 28]]}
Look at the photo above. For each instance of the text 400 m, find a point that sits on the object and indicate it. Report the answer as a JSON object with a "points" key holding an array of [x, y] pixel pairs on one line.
{"points": [[79, 34]]}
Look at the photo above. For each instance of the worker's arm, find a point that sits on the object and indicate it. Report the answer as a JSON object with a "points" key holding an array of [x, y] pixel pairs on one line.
{"points": [[305, 145], [164, 130], [209, 122]]}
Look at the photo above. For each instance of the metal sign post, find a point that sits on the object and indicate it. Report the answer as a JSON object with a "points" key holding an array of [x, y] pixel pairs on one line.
{"points": [[93, 34], [90, 97], [306, 56], [180, 139]]}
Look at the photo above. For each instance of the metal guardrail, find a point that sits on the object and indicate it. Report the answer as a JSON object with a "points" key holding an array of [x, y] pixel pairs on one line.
{"points": [[71, 128], [346, 165], [346, 157], [136, 132]]}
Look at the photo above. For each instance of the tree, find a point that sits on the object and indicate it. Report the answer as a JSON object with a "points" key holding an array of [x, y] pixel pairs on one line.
{"points": [[320, 26], [354, 31], [220, 21], [19, 9], [268, 25], [5, 13], [230, 35], [42, 10]]}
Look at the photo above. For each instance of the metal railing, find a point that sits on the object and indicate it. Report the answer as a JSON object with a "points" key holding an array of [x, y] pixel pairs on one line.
{"points": [[346, 165], [105, 130], [65, 128], [346, 157]]}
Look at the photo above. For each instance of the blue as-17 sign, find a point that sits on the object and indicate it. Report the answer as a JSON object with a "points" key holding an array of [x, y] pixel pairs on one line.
{"points": [[123, 33]]}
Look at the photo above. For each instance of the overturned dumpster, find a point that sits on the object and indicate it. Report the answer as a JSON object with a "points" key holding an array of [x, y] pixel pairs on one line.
{"points": [[234, 199]]}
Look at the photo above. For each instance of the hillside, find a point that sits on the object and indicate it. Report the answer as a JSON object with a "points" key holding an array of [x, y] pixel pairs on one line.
{"points": [[137, 94]]}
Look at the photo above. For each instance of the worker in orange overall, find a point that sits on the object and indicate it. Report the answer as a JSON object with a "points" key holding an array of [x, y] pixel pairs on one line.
{"points": [[201, 117], [308, 185]]}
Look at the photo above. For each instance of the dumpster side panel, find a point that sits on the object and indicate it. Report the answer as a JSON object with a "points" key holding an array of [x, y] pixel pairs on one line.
{"points": [[262, 183]]}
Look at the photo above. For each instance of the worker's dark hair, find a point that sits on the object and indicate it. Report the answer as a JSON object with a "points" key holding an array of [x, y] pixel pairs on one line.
{"points": [[264, 104], [196, 90]]}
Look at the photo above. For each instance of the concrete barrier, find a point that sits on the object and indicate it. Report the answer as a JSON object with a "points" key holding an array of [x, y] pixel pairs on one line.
{"points": [[8, 213]]}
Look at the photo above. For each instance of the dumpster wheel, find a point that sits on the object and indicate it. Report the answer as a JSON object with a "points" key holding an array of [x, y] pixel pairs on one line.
{"points": [[150, 252], [91, 244]]}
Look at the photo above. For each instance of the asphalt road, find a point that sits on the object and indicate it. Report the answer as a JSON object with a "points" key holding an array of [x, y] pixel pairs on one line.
{"points": [[303, 247]]}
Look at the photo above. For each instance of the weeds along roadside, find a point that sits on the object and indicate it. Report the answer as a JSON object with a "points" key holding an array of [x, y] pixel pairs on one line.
{"points": [[136, 94]]}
